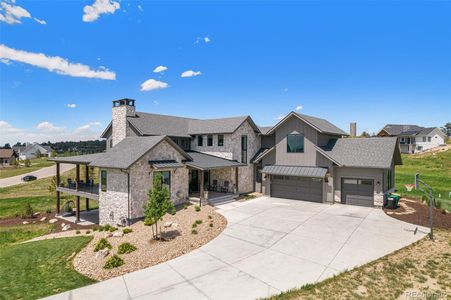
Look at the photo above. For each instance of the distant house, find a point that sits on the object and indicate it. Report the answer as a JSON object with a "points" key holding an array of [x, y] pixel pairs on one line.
{"points": [[414, 138], [7, 157], [32, 151]]}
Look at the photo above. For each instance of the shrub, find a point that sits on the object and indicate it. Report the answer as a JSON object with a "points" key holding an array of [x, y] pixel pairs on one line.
{"points": [[127, 230], [194, 231], [102, 244], [211, 225], [113, 262], [197, 208], [112, 229], [198, 222], [210, 217], [27, 211], [185, 206], [126, 248], [438, 204], [77, 232], [88, 231], [48, 210], [27, 163], [194, 225]]}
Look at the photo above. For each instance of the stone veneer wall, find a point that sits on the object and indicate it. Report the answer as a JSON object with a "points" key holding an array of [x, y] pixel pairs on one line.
{"points": [[224, 174], [232, 150], [113, 203], [120, 114]]}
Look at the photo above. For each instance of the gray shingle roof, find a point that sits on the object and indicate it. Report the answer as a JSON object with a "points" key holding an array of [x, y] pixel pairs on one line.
{"points": [[80, 159], [153, 124], [396, 129], [223, 125], [166, 164], [365, 152], [128, 151], [204, 161], [265, 129], [295, 171], [322, 125]]}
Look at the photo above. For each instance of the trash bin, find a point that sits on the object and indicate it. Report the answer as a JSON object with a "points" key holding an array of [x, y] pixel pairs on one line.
{"points": [[392, 201]]}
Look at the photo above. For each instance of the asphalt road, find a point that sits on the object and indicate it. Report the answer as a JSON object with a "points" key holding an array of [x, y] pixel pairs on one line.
{"points": [[41, 173]]}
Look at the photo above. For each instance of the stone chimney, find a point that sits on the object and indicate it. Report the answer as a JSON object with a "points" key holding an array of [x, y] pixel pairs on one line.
{"points": [[122, 109], [353, 129]]}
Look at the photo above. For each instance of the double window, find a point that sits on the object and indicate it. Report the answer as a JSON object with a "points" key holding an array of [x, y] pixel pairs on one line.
{"points": [[295, 143], [165, 179], [220, 140], [103, 180], [200, 140], [209, 140], [244, 149]]}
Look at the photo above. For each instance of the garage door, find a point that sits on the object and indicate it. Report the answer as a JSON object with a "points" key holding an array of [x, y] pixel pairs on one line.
{"points": [[299, 188], [357, 191]]}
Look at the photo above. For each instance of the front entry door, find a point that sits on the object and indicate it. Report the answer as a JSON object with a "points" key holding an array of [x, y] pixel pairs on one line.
{"points": [[193, 181]]}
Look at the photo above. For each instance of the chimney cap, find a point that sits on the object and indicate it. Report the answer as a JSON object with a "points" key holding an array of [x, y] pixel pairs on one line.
{"points": [[124, 101]]}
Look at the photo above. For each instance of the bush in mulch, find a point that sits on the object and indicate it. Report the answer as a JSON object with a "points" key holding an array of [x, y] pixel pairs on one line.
{"points": [[125, 248], [102, 244], [27, 211], [127, 230], [113, 262]]}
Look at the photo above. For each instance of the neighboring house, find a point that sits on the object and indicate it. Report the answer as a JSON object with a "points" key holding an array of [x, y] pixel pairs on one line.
{"points": [[7, 157], [413, 138], [300, 158], [32, 151]]}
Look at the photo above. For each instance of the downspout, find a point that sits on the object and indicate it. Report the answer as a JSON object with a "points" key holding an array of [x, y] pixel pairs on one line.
{"points": [[128, 196]]}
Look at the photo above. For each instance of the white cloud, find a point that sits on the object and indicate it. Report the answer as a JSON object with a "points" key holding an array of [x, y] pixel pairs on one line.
{"points": [[42, 22], [71, 105], [204, 39], [156, 102], [5, 61], [54, 64], [93, 12], [49, 127], [207, 39], [190, 73], [12, 14], [160, 69], [298, 108], [279, 117], [11, 134], [153, 84], [140, 7]]}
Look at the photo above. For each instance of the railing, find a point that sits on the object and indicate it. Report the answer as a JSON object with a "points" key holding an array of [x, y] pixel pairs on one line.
{"points": [[82, 187]]}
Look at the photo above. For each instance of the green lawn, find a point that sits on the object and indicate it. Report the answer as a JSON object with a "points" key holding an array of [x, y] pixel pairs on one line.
{"points": [[16, 234], [36, 164], [39, 269], [435, 170]]}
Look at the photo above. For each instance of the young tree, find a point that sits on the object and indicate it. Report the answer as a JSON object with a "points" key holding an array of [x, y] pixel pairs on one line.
{"points": [[27, 163], [38, 153], [159, 204]]}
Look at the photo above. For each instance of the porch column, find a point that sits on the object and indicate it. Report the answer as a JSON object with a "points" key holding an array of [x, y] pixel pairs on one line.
{"points": [[77, 176], [202, 193], [236, 180], [58, 180], [78, 209], [86, 180]]}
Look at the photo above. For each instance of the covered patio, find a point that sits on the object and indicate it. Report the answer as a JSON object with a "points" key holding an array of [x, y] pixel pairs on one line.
{"points": [[212, 178], [80, 187]]}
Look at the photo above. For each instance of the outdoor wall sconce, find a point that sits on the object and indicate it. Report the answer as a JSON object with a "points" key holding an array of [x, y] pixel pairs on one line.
{"points": [[378, 183]]}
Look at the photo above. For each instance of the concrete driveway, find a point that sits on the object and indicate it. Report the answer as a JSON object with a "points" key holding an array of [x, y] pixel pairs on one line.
{"points": [[270, 245], [41, 173]]}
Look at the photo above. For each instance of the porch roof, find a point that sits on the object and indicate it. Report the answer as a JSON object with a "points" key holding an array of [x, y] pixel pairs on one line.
{"points": [[204, 161], [79, 159], [166, 164], [295, 171]]}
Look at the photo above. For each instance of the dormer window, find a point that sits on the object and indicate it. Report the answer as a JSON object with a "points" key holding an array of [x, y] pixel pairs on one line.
{"points": [[200, 141], [295, 143]]}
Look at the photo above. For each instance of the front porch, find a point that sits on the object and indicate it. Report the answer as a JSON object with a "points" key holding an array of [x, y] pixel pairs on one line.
{"points": [[87, 218]]}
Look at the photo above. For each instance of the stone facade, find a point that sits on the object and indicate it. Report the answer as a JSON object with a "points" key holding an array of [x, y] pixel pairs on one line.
{"points": [[119, 123], [113, 204]]}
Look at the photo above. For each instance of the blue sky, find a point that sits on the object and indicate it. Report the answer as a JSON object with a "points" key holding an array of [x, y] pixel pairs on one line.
{"points": [[369, 62]]}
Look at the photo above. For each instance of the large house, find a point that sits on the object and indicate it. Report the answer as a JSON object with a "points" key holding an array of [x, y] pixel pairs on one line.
{"points": [[32, 151], [300, 158], [414, 138], [7, 157]]}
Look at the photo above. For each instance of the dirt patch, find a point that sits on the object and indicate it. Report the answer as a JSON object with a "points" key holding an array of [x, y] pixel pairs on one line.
{"points": [[416, 212], [150, 252], [17, 221]]}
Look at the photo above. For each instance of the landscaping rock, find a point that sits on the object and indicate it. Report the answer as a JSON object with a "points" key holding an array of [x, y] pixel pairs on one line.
{"points": [[167, 224], [66, 227], [43, 219], [25, 222], [62, 224], [53, 221], [36, 214], [108, 234], [103, 253], [175, 225], [118, 233]]}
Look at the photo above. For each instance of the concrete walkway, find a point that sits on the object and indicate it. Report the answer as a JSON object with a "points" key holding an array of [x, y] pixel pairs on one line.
{"points": [[270, 245], [41, 173]]}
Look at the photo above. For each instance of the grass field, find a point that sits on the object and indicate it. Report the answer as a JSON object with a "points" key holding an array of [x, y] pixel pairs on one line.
{"points": [[435, 170], [16, 234], [36, 164], [39, 269], [419, 269]]}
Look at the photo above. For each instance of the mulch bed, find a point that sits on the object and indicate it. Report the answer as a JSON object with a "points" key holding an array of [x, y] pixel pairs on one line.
{"points": [[420, 216], [18, 221]]}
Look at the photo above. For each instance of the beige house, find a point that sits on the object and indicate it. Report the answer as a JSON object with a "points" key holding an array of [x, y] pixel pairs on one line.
{"points": [[215, 160], [7, 157]]}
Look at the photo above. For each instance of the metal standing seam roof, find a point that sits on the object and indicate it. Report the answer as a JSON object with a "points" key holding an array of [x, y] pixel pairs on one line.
{"points": [[166, 164], [295, 171], [204, 161], [261, 153]]}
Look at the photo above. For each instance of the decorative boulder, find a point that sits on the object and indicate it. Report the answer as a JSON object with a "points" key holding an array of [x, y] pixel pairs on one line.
{"points": [[25, 222], [167, 224], [53, 221], [43, 219], [118, 233], [66, 227], [175, 225], [103, 253], [36, 214]]}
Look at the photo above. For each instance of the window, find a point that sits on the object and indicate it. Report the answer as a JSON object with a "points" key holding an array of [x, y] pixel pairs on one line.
{"points": [[424, 139], [244, 149], [295, 143], [111, 143], [103, 180], [220, 140], [200, 140], [429, 138], [166, 179], [209, 140]]}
